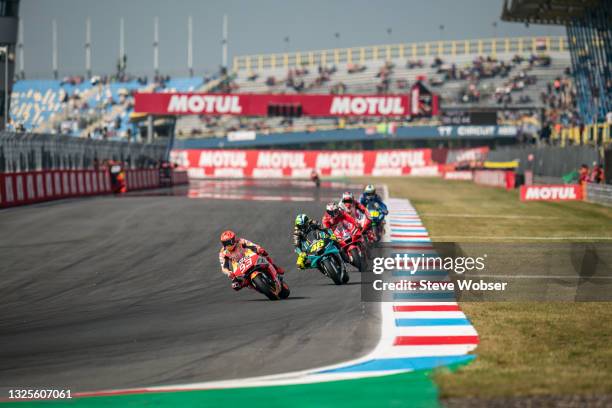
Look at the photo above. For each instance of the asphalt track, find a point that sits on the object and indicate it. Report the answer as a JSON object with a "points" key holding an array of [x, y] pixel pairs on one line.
{"points": [[115, 292]]}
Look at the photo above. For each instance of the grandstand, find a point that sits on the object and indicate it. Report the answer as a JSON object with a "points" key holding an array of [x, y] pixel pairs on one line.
{"points": [[512, 75]]}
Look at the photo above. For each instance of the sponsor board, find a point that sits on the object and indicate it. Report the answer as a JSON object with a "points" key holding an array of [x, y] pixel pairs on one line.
{"points": [[458, 175], [257, 104], [495, 178], [561, 192], [201, 163]]}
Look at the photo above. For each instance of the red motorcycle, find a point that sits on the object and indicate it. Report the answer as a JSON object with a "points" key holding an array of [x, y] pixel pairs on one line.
{"points": [[257, 273], [352, 245]]}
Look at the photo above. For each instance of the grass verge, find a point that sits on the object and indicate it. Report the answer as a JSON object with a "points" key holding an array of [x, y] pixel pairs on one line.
{"points": [[527, 348]]}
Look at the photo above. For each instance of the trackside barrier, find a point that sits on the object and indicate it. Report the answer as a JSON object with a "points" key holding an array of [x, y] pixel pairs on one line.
{"points": [[495, 178], [599, 194], [32, 187]]}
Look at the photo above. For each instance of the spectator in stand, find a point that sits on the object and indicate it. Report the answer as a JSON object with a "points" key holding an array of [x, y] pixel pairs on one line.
{"points": [[583, 174], [597, 175]]}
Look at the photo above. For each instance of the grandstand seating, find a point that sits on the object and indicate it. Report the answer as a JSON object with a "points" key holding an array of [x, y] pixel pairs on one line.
{"points": [[87, 109], [61, 107]]}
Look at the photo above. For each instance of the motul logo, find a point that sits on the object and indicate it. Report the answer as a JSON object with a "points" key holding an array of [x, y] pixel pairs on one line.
{"points": [[551, 193], [339, 161], [369, 105], [223, 159], [280, 160], [204, 104], [396, 159]]}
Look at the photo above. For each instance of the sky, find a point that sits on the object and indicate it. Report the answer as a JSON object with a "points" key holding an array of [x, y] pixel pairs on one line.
{"points": [[255, 27]]}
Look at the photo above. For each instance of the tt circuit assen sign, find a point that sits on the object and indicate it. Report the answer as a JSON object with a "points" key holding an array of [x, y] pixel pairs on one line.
{"points": [[299, 164], [257, 104], [560, 192]]}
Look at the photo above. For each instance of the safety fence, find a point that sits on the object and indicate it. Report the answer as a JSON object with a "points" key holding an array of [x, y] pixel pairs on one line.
{"points": [[361, 55], [599, 194], [23, 188], [24, 152]]}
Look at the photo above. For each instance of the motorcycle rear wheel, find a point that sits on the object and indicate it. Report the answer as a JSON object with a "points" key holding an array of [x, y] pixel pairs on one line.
{"points": [[332, 271]]}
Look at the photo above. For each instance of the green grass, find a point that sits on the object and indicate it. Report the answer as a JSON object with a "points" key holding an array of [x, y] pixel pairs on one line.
{"points": [[527, 348]]}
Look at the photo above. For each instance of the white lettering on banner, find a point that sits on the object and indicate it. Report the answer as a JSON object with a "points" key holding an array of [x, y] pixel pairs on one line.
{"points": [[265, 173], [204, 103], [223, 159], [445, 130], [340, 161], [399, 159], [180, 157], [229, 172], [30, 186], [458, 175], [476, 130], [8, 189], [550, 193], [386, 171], [73, 183], [372, 105], [424, 171], [49, 184], [469, 154], [19, 184], [40, 190], [346, 172], [280, 160], [507, 130], [196, 173], [240, 135]]}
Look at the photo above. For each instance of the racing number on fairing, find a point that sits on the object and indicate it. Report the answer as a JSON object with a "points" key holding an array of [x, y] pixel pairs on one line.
{"points": [[317, 245], [245, 264]]}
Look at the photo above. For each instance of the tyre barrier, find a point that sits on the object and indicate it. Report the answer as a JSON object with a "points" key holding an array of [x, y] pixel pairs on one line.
{"points": [[24, 188]]}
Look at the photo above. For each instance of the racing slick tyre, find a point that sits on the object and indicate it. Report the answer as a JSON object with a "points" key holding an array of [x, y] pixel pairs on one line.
{"points": [[285, 292], [263, 285], [345, 274], [332, 271], [358, 261]]}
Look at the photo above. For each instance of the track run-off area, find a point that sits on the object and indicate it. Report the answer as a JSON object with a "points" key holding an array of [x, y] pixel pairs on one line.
{"points": [[121, 300]]}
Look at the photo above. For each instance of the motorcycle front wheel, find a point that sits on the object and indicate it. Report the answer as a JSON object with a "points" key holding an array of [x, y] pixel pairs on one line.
{"points": [[265, 286], [332, 271]]}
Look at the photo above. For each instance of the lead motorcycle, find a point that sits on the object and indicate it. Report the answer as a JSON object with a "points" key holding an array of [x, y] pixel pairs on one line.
{"points": [[352, 245], [323, 253], [256, 272]]}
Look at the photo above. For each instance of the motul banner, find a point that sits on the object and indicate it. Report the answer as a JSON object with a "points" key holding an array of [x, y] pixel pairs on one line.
{"points": [[495, 178], [562, 192], [257, 104], [289, 163], [458, 175]]}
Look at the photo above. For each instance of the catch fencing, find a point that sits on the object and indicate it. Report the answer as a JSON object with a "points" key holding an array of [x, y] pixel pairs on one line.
{"points": [[23, 152]]}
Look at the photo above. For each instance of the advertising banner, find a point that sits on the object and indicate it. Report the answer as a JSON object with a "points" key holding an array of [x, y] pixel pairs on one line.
{"points": [[258, 104], [202, 163], [551, 192]]}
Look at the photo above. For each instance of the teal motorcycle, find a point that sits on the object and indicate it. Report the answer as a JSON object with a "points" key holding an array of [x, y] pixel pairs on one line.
{"points": [[322, 252]]}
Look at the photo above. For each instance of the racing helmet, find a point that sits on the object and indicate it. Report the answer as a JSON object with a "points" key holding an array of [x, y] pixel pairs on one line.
{"points": [[228, 239], [369, 190], [332, 209], [301, 221], [348, 197]]}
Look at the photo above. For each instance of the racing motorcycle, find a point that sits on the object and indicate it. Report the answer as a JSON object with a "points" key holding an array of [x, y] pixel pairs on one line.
{"points": [[323, 253], [378, 222], [352, 245], [257, 273]]}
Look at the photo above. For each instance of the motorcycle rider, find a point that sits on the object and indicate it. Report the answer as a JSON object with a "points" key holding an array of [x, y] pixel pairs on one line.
{"points": [[369, 196], [234, 249], [303, 226], [349, 205], [333, 216]]}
